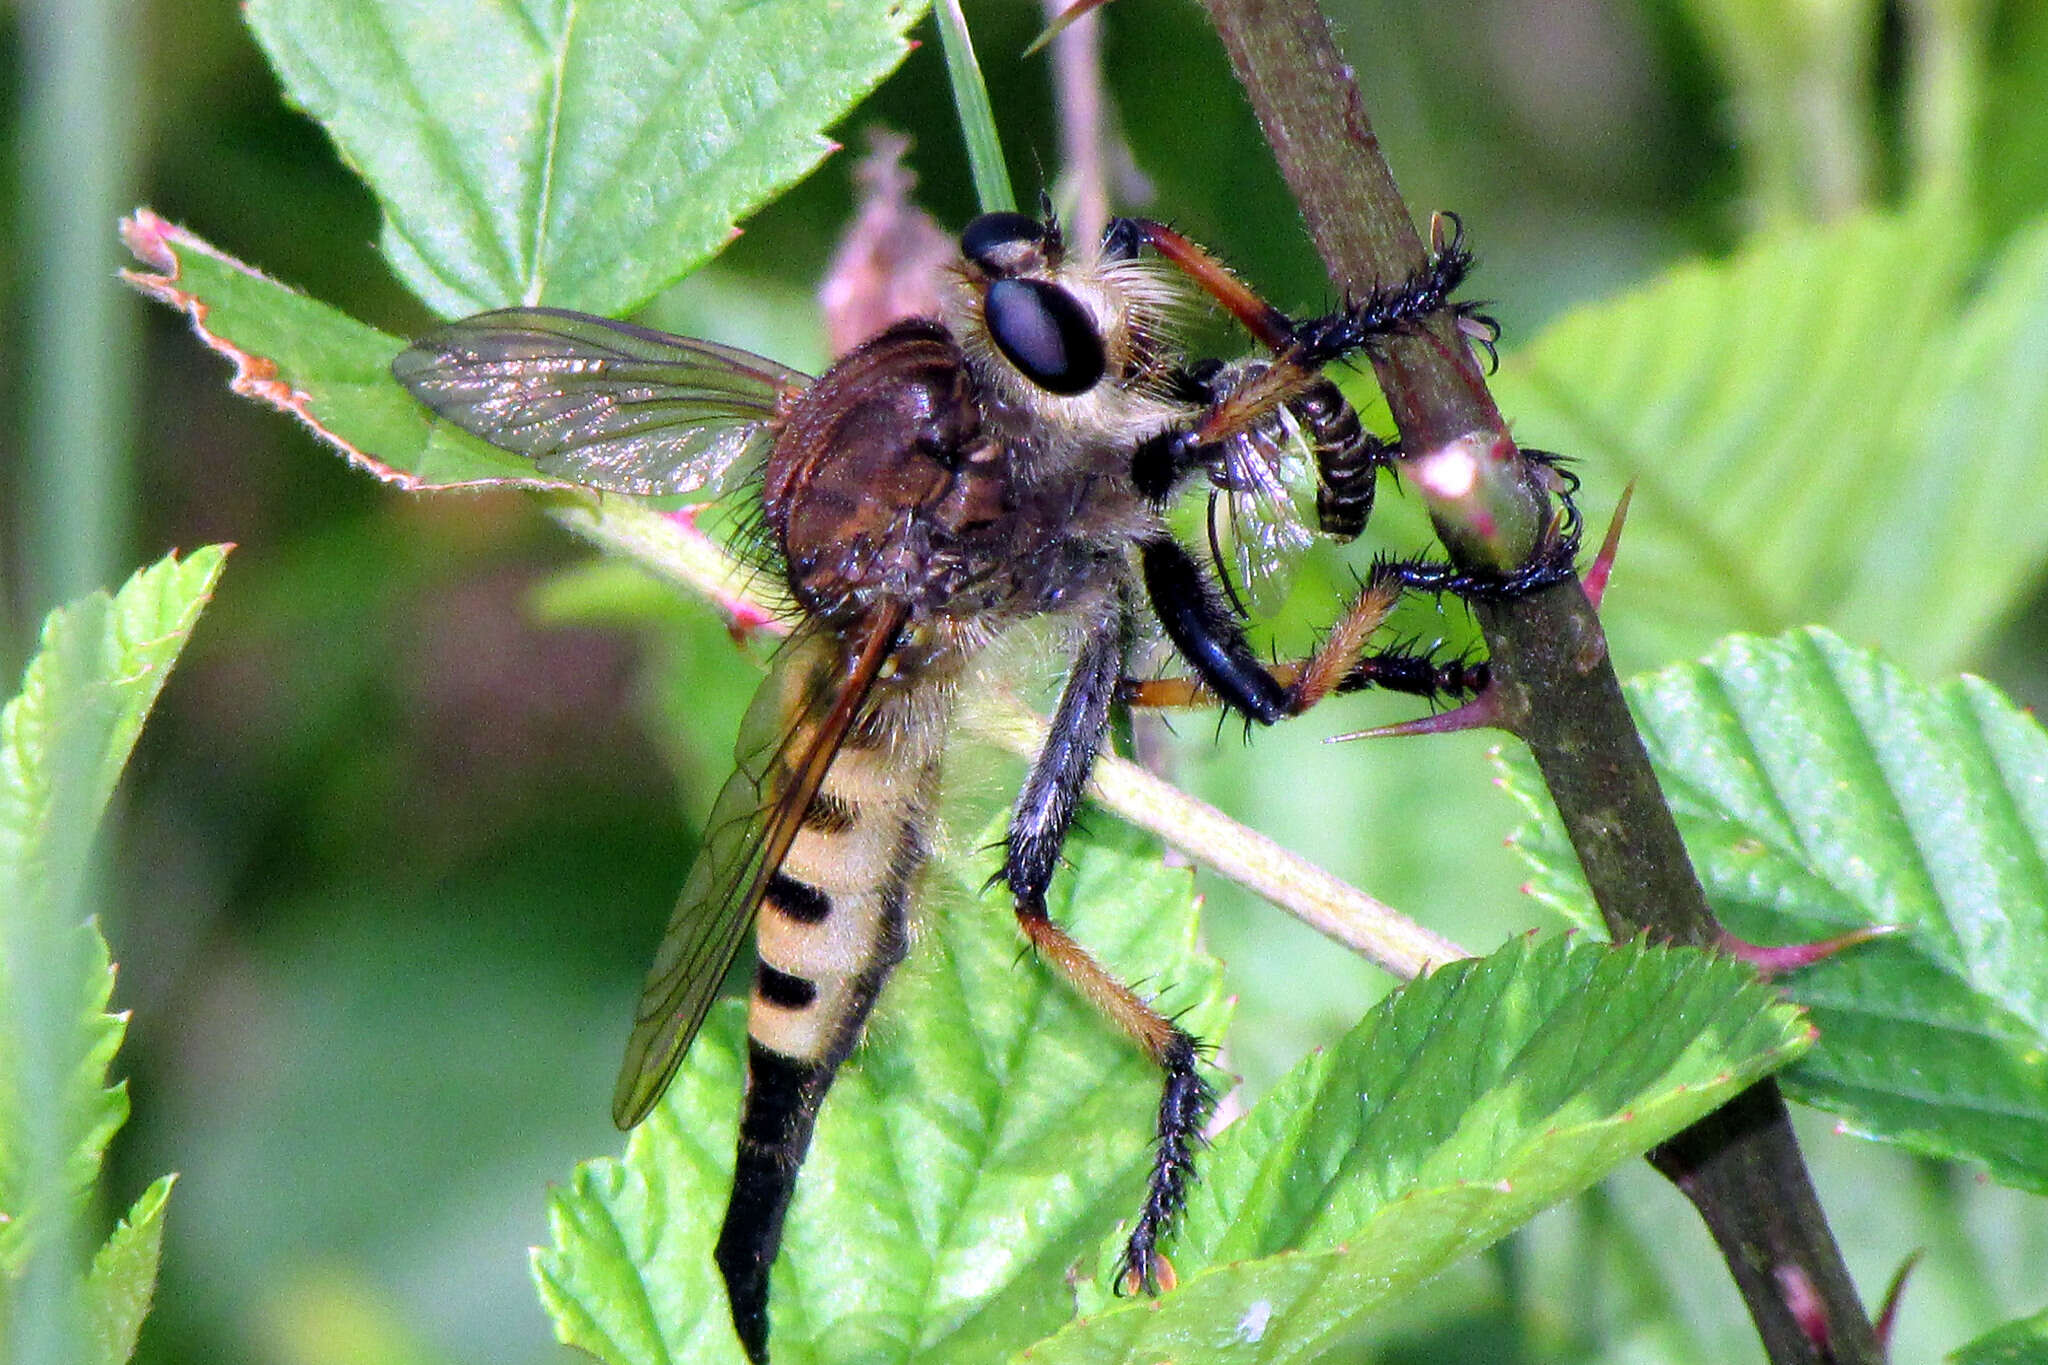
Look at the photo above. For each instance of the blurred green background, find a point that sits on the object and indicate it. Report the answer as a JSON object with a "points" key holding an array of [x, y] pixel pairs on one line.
{"points": [[400, 839]]}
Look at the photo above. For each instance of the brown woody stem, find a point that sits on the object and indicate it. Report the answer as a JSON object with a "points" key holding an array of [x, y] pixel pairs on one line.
{"points": [[1741, 1166]]}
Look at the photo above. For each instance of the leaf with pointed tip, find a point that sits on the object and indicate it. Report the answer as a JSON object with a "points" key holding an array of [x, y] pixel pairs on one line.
{"points": [[583, 153], [969, 1159], [1820, 790], [122, 1282], [63, 742], [1463, 1104], [313, 363]]}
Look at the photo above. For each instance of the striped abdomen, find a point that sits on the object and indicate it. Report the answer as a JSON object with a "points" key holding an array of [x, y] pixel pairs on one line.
{"points": [[1348, 458], [833, 922]]}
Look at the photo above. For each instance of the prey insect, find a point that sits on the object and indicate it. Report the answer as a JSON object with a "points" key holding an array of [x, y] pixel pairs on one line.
{"points": [[943, 482]]}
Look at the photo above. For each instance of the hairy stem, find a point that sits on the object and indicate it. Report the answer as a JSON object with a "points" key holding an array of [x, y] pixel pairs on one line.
{"points": [[1741, 1167]]}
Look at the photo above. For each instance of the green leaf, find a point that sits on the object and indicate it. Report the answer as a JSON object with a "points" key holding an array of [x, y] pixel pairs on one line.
{"points": [[584, 153], [313, 363], [68, 1113], [122, 1281], [1462, 1105], [2024, 1342], [66, 737], [63, 742], [1820, 790], [1819, 429], [972, 1153], [1963, 540]]}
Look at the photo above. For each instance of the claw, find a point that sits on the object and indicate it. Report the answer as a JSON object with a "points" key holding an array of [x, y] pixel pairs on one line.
{"points": [[1597, 573], [1773, 962]]}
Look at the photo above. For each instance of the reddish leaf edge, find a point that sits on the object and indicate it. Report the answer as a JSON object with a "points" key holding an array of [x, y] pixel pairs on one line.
{"points": [[156, 242]]}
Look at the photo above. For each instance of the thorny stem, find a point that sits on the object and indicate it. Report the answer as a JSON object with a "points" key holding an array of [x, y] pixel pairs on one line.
{"points": [[1741, 1166]]}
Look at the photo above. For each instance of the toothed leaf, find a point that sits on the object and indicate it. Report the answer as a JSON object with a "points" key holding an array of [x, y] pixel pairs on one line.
{"points": [[1463, 1104], [1828, 426], [970, 1157], [582, 153], [1821, 790], [122, 1281]]}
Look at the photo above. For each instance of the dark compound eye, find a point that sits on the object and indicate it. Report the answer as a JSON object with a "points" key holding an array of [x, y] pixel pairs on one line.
{"points": [[999, 242], [1122, 240], [1046, 333]]}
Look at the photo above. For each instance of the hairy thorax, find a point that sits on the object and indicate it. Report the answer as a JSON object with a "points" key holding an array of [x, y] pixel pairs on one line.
{"points": [[904, 477]]}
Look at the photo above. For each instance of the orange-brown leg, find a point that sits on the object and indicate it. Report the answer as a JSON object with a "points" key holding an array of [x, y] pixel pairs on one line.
{"points": [[1038, 828]]}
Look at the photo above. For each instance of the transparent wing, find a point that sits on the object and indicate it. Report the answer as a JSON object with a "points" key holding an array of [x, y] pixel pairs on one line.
{"points": [[1261, 509], [598, 402], [792, 731]]}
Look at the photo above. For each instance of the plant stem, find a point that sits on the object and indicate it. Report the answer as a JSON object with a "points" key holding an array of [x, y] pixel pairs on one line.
{"points": [[1741, 1166], [977, 118]]}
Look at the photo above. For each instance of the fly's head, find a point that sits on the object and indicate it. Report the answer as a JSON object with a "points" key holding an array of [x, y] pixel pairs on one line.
{"points": [[1074, 345]]}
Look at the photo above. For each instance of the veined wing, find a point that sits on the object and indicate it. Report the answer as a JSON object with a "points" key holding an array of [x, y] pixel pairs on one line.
{"points": [[1261, 506], [793, 730], [599, 402]]}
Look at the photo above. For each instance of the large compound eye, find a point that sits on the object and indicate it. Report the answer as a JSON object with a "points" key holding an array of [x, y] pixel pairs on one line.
{"points": [[1000, 242], [1046, 333]]}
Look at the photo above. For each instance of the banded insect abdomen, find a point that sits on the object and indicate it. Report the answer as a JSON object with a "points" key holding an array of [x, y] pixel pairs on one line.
{"points": [[833, 923]]}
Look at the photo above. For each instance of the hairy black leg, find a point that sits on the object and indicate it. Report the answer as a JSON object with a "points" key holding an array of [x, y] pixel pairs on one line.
{"points": [[1207, 635], [1045, 808], [1184, 1106], [1038, 828], [1393, 309], [1160, 462]]}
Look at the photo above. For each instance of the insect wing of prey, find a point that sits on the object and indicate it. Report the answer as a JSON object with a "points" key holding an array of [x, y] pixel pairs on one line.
{"points": [[792, 732], [598, 402], [1259, 514]]}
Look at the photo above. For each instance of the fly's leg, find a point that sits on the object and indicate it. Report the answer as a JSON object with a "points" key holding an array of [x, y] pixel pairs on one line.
{"points": [[1227, 670], [1038, 828], [1553, 562], [1397, 309]]}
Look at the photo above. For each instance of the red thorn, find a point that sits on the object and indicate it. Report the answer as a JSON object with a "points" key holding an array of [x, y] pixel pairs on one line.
{"points": [[1776, 961], [1602, 567], [1888, 1314], [1804, 1300], [1479, 713]]}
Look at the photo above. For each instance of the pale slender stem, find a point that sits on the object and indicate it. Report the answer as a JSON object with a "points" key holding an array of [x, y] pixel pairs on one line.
{"points": [[1325, 903], [1083, 117], [676, 549]]}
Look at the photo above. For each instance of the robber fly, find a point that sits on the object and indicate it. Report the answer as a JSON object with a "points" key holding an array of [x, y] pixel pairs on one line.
{"points": [[942, 482]]}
